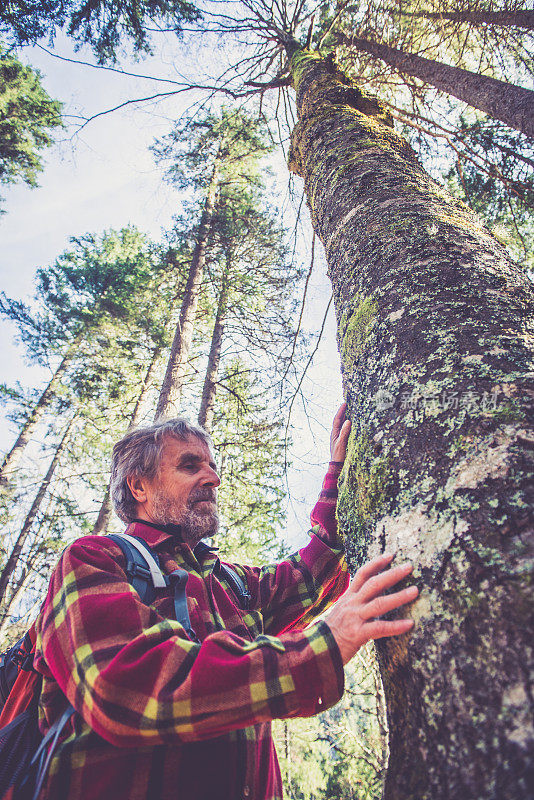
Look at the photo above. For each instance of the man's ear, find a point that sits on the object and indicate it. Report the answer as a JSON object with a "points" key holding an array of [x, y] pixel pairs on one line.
{"points": [[137, 486]]}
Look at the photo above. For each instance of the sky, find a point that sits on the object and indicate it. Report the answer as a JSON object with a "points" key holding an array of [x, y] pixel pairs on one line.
{"points": [[105, 177]]}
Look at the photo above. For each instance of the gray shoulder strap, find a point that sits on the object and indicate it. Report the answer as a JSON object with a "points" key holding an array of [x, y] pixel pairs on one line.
{"points": [[158, 579]]}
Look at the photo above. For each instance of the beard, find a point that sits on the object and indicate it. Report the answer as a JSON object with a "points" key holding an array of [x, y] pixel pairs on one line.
{"points": [[197, 519]]}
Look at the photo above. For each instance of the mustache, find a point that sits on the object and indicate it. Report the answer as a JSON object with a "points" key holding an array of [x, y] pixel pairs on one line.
{"points": [[202, 494]]}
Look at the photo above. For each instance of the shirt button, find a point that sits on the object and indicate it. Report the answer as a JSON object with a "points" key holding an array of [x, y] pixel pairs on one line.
{"points": [[246, 791]]}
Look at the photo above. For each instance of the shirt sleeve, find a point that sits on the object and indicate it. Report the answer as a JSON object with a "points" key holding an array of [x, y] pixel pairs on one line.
{"points": [[136, 678], [291, 593]]}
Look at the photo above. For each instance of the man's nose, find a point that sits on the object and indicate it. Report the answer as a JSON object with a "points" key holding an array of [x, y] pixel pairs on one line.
{"points": [[211, 477]]}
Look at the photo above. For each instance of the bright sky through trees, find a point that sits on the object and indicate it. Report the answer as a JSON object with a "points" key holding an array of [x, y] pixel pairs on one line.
{"points": [[105, 177]]}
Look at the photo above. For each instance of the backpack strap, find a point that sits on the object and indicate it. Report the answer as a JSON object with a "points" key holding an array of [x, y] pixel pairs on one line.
{"points": [[178, 580], [145, 575], [142, 557], [236, 582], [142, 566]]}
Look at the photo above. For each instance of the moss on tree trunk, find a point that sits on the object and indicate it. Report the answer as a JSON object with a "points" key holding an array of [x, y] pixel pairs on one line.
{"points": [[433, 326]]}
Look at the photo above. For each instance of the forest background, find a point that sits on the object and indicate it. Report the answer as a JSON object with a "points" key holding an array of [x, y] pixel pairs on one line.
{"points": [[100, 174]]}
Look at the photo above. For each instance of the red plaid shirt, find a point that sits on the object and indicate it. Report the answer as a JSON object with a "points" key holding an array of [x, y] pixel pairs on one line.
{"points": [[161, 716]]}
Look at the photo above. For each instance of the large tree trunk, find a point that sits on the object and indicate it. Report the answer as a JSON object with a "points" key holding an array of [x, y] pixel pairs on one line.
{"points": [[522, 18], [16, 550], [511, 104], [437, 369], [209, 390], [12, 459], [176, 366]]}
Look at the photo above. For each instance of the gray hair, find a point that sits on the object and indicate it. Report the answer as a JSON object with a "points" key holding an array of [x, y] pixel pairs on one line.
{"points": [[138, 455]]}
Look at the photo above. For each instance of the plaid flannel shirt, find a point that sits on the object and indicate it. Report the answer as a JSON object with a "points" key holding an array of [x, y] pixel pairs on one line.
{"points": [[161, 716]]}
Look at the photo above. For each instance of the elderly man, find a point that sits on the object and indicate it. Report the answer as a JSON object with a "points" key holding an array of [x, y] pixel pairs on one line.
{"points": [[167, 713]]}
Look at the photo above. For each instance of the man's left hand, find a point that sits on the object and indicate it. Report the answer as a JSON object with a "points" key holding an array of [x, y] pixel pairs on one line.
{"points": [[340, 435]]}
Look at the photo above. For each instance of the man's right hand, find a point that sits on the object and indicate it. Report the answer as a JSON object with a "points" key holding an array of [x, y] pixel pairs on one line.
{"points": [[355, 618]]}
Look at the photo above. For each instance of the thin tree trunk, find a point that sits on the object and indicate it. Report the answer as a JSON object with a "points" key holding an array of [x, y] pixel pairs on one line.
{"points": [[104, 514], [12, 632], [511, 104], [12, 459], [145, 388], [16, 591], [16, 550], [521, 18], [209, 390], [175, 372], [433, 321]]}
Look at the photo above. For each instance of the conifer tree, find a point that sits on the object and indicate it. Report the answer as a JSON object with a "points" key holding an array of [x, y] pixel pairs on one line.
{"points": [[106, 26], [203, 155], [78, 298], [245, 275], [89, 291], [28, 116], [13, 557], [511, 104], [254, 283], [513, 17], [249, 443]]}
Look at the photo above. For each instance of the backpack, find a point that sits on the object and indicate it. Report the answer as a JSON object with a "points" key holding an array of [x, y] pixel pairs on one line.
{"points": [[24, 753]]}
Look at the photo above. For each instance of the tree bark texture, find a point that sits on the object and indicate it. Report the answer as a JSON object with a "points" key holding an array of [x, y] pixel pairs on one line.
{"points": [[12, 459], [175, 372], [435, 336], [13, 558], [209, 390], [522, 18], [511, 104]]}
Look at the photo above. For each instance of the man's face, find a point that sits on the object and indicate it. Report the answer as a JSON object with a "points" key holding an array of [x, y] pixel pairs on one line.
{"points": [[184, 492]]}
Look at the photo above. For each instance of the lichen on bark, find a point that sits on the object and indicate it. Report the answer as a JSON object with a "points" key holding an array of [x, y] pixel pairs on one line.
{"points": [[435, 335], [355, 325]]}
